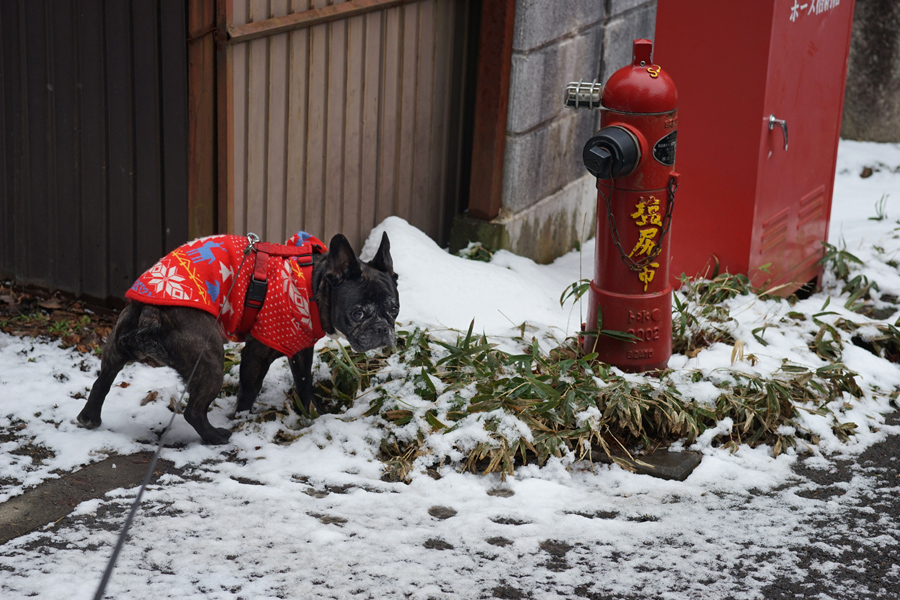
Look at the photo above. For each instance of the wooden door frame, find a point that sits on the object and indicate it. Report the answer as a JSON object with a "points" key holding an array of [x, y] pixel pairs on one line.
{"points": [[498, 19], [203, 165]]}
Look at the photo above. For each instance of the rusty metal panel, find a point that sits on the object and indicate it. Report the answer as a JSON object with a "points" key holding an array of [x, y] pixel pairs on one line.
{"points": [[94, 130], [349, 113]]}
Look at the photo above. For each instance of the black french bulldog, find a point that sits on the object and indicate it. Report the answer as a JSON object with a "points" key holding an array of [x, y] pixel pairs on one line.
{"points": [[354, 298]]}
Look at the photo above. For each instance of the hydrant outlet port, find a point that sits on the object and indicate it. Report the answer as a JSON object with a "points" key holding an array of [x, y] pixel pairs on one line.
{"points": [[611, 152]]}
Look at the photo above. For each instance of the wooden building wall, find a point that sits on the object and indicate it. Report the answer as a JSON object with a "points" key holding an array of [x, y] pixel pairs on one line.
{"points": [[93, 147], [345, 112], [129, 127]]}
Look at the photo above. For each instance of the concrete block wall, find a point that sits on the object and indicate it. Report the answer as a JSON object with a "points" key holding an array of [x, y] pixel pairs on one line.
{"points": [[554, 43], [548, 199], [872, 97]]}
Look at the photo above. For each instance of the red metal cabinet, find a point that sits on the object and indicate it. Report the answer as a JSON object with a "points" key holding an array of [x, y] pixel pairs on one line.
{"points": [[746, 203]]}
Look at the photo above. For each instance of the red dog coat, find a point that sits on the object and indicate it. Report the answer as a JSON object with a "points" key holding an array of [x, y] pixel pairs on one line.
{"points": [[200, 274]]}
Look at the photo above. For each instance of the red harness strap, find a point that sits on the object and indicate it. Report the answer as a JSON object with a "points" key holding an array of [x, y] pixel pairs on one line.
{"points": [[259, 285]]}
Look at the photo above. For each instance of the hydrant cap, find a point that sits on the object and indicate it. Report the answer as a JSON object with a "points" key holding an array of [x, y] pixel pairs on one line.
{"points": [[641, 87]]}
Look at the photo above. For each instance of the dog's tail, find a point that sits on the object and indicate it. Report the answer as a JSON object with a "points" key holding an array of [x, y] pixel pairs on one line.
{"points": [[137, 333]]}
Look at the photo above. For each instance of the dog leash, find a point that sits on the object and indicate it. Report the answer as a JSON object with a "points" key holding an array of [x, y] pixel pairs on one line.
{"points": [[252, 241]]}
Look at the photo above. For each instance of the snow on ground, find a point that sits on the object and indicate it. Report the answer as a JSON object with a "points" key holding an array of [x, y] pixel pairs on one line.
{"points": [[313, 519]]}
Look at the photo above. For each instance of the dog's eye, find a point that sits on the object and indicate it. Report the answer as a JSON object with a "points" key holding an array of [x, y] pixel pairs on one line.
{"points": [[359, 314], [393, 311]]}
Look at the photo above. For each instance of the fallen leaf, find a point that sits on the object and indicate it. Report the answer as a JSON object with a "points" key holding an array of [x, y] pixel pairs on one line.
{"points": [[50, 303], [737, 353]]}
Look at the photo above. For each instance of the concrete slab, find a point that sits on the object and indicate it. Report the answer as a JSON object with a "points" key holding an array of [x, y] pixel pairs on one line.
{"points": [[54, 499]]}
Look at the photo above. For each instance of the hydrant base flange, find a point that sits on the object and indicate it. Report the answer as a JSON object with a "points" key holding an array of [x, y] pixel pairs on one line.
{"points": [[647, 317]]}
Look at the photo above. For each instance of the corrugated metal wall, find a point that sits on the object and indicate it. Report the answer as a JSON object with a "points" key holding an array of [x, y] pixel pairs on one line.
{"points": [[93, 150], [337, 125]]}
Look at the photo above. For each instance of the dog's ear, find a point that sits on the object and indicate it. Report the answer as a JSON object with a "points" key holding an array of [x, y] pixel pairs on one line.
{"points": [[341, 263], [383, 260]]}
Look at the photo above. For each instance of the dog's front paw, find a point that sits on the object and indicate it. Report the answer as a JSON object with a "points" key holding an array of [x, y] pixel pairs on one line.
{"points": [[309, 407], [240, 411]]}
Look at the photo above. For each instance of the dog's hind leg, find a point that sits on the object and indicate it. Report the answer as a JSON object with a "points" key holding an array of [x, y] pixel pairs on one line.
{"points": [[110, 365], [194, 349], [203, 388], [115, 355]]}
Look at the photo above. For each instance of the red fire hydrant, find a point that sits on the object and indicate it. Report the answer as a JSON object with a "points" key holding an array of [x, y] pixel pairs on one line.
{"points": [[632, 156]]}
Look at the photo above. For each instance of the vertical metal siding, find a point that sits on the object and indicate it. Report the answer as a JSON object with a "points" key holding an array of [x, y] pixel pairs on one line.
{"points": [[8, 138], [174, 146], [93, 155], [338, 125]]}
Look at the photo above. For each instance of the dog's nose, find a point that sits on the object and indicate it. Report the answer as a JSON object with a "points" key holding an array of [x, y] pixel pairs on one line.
{"points": [[387, 334]]}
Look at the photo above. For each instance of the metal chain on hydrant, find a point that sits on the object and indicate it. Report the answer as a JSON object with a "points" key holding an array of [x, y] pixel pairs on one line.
{"points": [[638, 265]]}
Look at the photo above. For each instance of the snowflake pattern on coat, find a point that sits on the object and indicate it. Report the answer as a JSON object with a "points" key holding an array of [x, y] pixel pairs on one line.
{"points": [[166, 280], [209, 274]]}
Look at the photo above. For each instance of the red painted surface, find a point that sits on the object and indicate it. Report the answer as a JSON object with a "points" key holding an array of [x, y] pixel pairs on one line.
{"points": [[747, 205], [642, 99]]}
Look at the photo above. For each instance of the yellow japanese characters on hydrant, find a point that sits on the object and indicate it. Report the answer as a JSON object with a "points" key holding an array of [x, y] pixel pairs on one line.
{"points": [[648, 219]]}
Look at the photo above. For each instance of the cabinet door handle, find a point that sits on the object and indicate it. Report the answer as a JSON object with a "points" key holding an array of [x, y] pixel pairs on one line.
{"points": [[783, 123]]}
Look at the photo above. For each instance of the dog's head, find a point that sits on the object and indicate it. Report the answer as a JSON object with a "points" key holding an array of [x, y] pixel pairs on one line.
{"points": [[358, 299]]}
